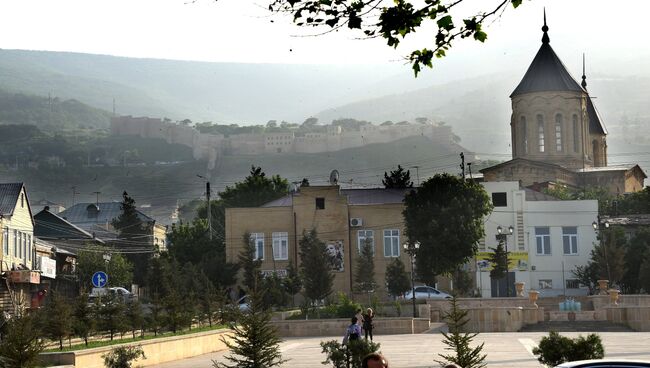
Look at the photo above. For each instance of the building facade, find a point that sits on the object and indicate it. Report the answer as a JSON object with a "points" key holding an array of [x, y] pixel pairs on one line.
{"points": [[550, 238]]}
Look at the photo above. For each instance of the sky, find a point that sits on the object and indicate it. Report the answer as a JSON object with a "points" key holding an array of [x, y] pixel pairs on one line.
{"points": [[613, 35]]}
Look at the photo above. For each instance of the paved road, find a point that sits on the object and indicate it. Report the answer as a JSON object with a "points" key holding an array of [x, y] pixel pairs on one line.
{"points": [[418, 351]]}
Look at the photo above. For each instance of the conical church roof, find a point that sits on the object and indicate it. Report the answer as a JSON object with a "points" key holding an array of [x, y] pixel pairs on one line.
{"points": [[546, 72]]}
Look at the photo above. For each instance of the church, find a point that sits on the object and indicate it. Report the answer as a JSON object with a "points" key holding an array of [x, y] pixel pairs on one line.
{"points": [[558, 137]]}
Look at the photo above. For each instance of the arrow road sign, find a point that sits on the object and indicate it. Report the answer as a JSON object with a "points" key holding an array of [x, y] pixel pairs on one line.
{"points": [[100, 278]]}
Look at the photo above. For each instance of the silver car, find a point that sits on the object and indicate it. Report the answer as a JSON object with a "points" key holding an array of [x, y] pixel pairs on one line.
{"points": [[605, 363], [426, 292]]}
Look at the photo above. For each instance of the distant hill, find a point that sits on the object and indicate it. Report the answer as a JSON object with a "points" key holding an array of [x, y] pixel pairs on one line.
{"points": [[50, 113]]}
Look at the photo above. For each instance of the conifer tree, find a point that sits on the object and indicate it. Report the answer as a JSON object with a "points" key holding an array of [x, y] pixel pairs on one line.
{"points": [[499, 261], [365, 273], [397, 281], [249, 265], [292, 283], [397, 179], [315, 267], [132, 230], [84, 319], [58, 314], [255, 341], [22, 343], [135, 317], [459, 342]]}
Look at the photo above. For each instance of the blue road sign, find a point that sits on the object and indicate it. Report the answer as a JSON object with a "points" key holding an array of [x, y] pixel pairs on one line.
{"points": [[100, 278]]}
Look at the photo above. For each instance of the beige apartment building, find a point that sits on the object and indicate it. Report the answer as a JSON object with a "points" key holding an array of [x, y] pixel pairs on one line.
{"points": [[343, 218]]}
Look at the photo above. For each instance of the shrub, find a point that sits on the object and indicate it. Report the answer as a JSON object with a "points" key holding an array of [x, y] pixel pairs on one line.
{"points": [[346, 308], [338, 354], [123, 356], [555, 349]]}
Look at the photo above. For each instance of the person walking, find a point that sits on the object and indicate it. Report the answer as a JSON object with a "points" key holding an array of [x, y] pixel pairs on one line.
{"points": [[367, 323], [352, 332]]}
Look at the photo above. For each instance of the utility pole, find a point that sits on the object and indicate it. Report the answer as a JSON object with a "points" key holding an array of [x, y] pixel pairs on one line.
{"points": [[207, 194], [74, 192], [462, 165], [469, 168], [97, 198]]}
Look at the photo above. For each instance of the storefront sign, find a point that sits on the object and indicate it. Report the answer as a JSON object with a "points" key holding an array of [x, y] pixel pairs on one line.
{"points": [[47, 267], [517, 261]]}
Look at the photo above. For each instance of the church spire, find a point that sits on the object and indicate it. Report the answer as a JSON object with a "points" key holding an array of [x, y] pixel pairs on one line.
{"points": [[584, 77], [545, 38]]}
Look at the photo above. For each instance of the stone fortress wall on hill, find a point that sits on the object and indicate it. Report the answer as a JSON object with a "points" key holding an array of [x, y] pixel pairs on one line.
{"points": [[211, 146]]}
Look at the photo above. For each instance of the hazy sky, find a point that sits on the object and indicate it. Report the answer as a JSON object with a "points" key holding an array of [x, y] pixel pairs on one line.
{"points": [[613, 34]]}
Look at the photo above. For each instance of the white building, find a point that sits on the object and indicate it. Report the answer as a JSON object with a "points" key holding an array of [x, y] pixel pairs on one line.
{"points": [[550, 237]]}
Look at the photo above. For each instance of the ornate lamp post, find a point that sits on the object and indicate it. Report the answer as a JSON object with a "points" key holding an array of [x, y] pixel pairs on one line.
{"points": [[412, 249], [505, 238]]}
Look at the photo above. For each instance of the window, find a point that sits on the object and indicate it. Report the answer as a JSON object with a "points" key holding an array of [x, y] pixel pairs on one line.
{"points": [[28, 256], [500, 199], [320, 203], [15, 243], [576, 134], [524, 134], [19, 254], [540, 132], [546, 284], [572, 284], [281, 246], [258, 242], [5, 241], [363, 235], [543, 240], [558, 132], [391, 243], [570, 239], [24, 255]]}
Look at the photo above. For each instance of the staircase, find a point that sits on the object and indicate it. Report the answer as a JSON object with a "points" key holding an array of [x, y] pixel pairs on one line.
{"points": [[576, 326]]}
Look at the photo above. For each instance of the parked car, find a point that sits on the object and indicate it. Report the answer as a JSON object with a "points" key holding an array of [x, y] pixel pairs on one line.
{"points": [[605, 363], [244, 303], [118, 292], [426, 292]]}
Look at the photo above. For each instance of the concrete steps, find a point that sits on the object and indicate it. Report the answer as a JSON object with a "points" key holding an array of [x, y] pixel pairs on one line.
{"points": [[576, 326]]}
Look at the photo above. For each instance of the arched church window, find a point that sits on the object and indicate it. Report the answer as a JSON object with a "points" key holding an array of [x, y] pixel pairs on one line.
{"points": [[576, 133], [540, 132], [558, 132], [524, 134]]}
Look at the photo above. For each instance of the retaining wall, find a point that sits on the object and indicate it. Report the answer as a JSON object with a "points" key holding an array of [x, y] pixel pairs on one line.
{"points": [[336, 327]]}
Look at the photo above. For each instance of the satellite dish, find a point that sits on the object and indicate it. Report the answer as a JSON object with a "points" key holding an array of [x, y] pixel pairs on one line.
{"points": [[334, 177]]}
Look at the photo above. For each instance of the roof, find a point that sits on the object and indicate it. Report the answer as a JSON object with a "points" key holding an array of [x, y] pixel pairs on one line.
{"points": [[9, 193], [546, 72], [48, 225], [356, 197], [621, 167], [517, 160], [533, 196], [79, 214], [627, 220], [595, 122]]}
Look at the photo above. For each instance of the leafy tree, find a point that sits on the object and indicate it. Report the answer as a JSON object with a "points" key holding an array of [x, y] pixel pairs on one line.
{"points": [[442, 203], [135, 317], [608, 256], [249, 264], [397, 280], [132, 230], [364, 277], [90, 260], [556, 349], [587, 275], [22, 343], [499, 261], [459, 342], [255, 341], [292, 283], [397, 179], [84, 319], [256, 190], [637, 248], [393, 21], [58, 314], [274, 294], [644, 272], [315, 267], [347, 356], [463, 283], [123, 356]]}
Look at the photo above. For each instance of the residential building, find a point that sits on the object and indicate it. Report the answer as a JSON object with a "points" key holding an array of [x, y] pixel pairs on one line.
{"points": [[343, 218], [53, 207], [557, 134], [17, 245], [550, 238]]}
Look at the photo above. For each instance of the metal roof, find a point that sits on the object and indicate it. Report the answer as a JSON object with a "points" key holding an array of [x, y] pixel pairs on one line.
{"points": [[356, 197], [595, 122], [48, 225], [79, 214], [9, 194]]}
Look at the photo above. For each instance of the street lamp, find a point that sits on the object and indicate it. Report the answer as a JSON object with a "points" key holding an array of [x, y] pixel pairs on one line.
{"points": [[505, 238], [412, 249]]}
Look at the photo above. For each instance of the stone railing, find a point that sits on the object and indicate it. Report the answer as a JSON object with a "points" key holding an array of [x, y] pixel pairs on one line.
{"points": [[336, 327], [157, 351], [636, 317]]}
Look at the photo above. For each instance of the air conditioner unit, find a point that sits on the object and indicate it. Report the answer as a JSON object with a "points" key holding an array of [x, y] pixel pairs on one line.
{"points": [[533, 268], [356, 222]]}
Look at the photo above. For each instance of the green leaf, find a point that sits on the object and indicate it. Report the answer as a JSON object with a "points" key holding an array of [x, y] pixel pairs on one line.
{"points": [[446, 22], [516, 3], [480, 36]]}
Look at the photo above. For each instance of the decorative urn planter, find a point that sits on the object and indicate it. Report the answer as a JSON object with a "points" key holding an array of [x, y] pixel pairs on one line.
{"points": [[532, 297], [519, 286], [602, 287], [613, 296]]}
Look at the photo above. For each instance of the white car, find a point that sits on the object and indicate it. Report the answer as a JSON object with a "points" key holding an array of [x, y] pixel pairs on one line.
{"points": [[244, 303], [605, 363], [426, 292]]}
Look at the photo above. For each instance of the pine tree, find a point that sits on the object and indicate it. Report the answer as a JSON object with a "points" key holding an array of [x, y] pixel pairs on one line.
{"points": [[84, 319], [397, 179], [459, 342], [365, 273], [58, 313], [111, 315], [255, 341], [315, 267], [397, 282], [132, 230], [135, 317], [499, 261], [249, 265], [292, 283], [22, 342]]}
